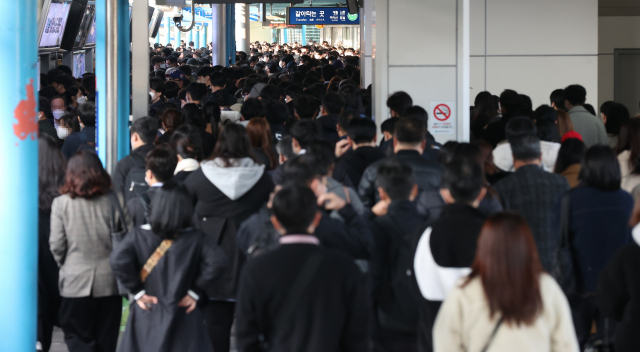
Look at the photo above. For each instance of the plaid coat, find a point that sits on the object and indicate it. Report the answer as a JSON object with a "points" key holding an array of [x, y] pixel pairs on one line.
{"points": [[533, 192]]}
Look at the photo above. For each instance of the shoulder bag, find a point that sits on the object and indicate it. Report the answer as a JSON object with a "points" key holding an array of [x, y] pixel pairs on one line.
{"points": [[118, 231], [564, 270], [493, 335]]}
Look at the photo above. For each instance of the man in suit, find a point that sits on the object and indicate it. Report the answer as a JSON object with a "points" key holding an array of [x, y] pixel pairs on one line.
{"points": [[301, 296]]}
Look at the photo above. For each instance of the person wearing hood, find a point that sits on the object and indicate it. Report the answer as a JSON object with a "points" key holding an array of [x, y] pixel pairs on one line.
{"points": [[332, 106], [618, 289], [226, 189]]}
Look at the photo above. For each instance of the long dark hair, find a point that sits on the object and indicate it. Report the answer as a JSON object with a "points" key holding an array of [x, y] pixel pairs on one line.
{"points": [[171, 210], [547, 124], [630, 141], [508, 265], [600, 169], [571, 152], [233, 143], [51, 170], [259, 134], [484, 109], [85, 177]]}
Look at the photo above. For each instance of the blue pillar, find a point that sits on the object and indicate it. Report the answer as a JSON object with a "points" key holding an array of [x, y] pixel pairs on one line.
{"points": [[303, 42], [19, 188], [203, 35], [123, 32], [178, 38], [230, 34], [158, 37], [190, 36], [167, 27], [197, 38], [285, 35], [273, 35]]}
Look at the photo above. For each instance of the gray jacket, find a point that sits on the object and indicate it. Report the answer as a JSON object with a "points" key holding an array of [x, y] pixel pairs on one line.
{"points": [[590, 127], [80, 242]]}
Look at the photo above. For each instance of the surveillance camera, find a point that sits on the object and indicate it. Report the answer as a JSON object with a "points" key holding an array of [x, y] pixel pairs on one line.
{"points": [[178, 20]]}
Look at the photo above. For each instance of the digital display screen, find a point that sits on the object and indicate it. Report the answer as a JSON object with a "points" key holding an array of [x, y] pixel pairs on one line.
{"points": [[321, 15], [91, 36], [54, 25], [85, 26], [78, 64]]}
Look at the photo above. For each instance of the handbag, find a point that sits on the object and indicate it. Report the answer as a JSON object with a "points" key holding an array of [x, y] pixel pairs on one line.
{"points": [[493, 335], [118, 231], [564, 270]]}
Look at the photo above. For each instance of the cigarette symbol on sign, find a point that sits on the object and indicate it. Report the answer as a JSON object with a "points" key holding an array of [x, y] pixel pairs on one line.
{"points": [[442, 112]]}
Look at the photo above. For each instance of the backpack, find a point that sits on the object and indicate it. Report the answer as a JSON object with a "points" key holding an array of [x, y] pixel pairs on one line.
{"points": [[396, 302], [145, 200], [134, 183]]}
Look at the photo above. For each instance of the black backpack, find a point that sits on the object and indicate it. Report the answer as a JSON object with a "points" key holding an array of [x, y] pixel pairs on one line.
{"points": [[134, 183], [397, 301]]}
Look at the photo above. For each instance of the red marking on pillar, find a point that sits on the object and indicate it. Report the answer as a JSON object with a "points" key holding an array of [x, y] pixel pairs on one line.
{"points": [[26, 115]]}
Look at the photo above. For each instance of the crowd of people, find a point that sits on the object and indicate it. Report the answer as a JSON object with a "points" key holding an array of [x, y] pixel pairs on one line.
{"points": [[258, 196]]}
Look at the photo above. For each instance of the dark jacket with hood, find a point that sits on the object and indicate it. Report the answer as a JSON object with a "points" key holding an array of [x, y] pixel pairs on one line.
{"points": [[445, 250], [224, 197], [354, 162]]}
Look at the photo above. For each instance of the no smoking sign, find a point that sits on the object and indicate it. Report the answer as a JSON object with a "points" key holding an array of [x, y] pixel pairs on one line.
{"points": [[442, 119]]}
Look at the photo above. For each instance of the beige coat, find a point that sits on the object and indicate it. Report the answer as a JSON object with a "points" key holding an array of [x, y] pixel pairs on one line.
{"points": [[80, 242], [463, 323]]}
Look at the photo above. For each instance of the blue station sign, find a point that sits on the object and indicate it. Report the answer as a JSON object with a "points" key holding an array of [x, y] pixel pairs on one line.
{"points": [[321, 16]]}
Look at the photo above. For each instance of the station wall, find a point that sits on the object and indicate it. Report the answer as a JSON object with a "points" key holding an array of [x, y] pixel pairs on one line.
{"points": [[534, 47], [615, 32]]}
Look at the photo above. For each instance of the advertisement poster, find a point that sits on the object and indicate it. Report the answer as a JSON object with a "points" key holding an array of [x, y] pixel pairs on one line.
{"points": [[54, 26], [78, 65]]}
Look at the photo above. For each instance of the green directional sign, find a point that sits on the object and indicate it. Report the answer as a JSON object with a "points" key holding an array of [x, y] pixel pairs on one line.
{"points": [[352, 16]]}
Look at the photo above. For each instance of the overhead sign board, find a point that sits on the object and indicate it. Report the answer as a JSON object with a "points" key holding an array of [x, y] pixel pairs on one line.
{"points": [[321, 16]]}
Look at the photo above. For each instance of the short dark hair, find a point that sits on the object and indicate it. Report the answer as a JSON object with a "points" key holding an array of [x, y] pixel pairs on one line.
{"points": [[87, 114], [510, 101], [600, 169], [162, 162], [617, 114], [192, 115], [295, 208], [276, 112], [557, 98], [306, 131], [293, 91], [147, 128], [410, 130], [270, 92], [252, 107], [302, 168], [571, 152], [520, 126], [575, 94], [396, 179], [324, 154], [157, 84], [85, 176], [205, 71], [171, 89], [306, 106], [64, 80], [361, 130], [526, 147], [419, 112], [389, 125], [328, 72], [285, 148], [172, 59], [463, 178], [171, 210], [399, 102], [333, 103], [218, 79], [197, 91]]}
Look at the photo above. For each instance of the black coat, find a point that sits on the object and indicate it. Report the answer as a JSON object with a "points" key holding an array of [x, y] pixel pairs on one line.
{"points": [[219, 217], [352, 237], [426, 170], [618, 296], [354, 162], [137, 210], [452, 245], [126, 164], [48, 292], [391, 266], [191, 263], [332, 314]]}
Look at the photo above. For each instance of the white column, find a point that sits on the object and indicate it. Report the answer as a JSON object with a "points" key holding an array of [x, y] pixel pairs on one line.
{"points": [[140, 59], [242, 27]]}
